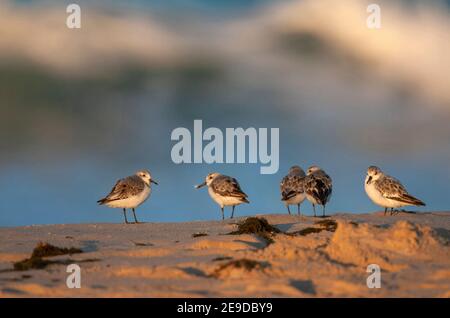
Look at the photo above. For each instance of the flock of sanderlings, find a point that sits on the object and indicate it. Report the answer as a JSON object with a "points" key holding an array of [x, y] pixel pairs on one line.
{"points": [[316, 186]]}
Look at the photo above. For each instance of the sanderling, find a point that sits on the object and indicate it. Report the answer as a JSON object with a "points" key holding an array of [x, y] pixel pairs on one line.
{"points": [[292, 188], [224, 190], [387, 191], [318, 187], [129, 193]]}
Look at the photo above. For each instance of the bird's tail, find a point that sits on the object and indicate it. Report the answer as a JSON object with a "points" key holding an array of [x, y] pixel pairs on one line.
{"points": [[102, 201], [407, 198], [245, 200]]}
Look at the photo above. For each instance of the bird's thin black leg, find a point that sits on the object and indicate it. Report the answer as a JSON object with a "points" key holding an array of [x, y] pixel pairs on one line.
{"points": [[314, 208], [125, 215], [232, 212], [323, 210], [223, 215], [298, 209], [289, 210], [385, 211], [135, 219]]}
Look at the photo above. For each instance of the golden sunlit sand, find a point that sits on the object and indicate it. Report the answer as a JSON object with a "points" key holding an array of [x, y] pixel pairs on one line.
{"points": [[310, 257]]}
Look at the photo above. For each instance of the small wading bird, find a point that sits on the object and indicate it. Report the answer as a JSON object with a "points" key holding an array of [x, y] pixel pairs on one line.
{"points": [[318, 187], [387, 191], [224, 190], [129, 193], [292, 188]]}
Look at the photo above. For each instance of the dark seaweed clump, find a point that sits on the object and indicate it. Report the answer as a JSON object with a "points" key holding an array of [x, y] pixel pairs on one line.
{"points": [[142, 244], [258, 226], [199, 235], [254, 225], [222, 258], [324, 225], [308, 230], [47, 250], [37, 261], [328, 225]]}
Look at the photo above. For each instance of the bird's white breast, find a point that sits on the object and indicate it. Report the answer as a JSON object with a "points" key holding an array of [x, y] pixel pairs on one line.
{"points": [[223, 200], [378, 198], [297, 199], [131, 202]]}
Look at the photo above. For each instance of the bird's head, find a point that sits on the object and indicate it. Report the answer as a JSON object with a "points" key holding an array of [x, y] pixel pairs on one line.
{"points": [[313, 169], [296, 171], [209, 178], [146, 177], [373, 173]]}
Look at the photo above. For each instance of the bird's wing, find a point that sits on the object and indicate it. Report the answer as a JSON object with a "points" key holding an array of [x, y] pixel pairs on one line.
{"points": [[319, 186], [290, 186], [227, 186], [391, 188], [125, 188]]}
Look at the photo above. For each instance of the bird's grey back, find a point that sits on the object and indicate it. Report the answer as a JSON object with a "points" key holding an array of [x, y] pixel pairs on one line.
{"points": [[319, 185], [227, 186], [291, 185], [390, 187], [125, 188]]}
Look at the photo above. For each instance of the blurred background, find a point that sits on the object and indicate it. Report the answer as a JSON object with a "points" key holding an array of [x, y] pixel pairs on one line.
{"points": [[80, 109]]}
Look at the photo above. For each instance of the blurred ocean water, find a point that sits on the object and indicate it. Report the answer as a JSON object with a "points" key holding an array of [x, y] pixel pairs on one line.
{"points": [[81, 108]]}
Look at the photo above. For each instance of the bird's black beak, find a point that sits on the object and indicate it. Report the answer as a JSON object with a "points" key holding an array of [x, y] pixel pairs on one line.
{"points": [[153, 181], [368, 180], [200, 185]]}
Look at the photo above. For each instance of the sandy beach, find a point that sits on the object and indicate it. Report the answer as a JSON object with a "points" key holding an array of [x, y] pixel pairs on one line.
{"points": [[201, 259]]}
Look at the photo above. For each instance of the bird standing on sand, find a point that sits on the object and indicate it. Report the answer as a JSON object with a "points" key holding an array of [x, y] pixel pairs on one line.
{"points": [[292, 188], [129, 193], [318, 187], [387, 191], [224, 190]]}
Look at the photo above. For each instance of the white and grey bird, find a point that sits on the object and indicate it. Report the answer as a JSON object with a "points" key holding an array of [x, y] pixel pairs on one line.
{"points": [[129, 193], [318, 187], [224, 190], [292, 188], [387, 191]]}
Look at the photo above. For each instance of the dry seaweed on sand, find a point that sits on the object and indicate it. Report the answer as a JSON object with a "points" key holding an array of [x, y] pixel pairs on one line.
{"points": [[199, 234], [40, 263], [32, 263], [308, 230], [258, 226], [244, 264], [142, 244], [37, 261], [46, 250], [222, 258], [328, 225], [324, 225], [254, 225]]}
